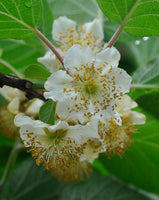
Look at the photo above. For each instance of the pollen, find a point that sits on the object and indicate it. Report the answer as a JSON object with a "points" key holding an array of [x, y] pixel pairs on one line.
{"points": [[79, 36]]}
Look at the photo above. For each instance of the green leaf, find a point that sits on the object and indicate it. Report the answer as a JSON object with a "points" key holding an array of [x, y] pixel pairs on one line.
{"points": [[97, 165], [139, 165], [47, 112], [35, 183], [45, 27], [144, 20], [146, 50], [148, 75], [81, 11], [1, 52], [149, 101], [47, 20], [36, 72], [146, 79], [17, 16], [5, 141], [110, 28], [18, 54]]}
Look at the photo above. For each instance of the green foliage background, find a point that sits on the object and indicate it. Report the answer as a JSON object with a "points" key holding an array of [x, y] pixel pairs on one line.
{"points": [[139, 166]]}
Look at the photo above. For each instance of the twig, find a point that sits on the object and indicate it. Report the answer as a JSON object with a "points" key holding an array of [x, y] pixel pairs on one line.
{"points": [[21, 84]]}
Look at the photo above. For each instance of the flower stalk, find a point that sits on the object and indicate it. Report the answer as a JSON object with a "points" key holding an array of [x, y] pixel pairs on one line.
{"points": [[49, 44]]}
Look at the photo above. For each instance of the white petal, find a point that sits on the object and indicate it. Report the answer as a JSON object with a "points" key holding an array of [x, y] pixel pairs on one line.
{"points": [[27, 125], [50, 61], [64, 114], [90, 130], [107, 114], [55, 85], [111, 56], [60, 125], [61, 25], [96, 27], [78, 55], [125, 104], [137, 118], [21, 120], [122, 80]]}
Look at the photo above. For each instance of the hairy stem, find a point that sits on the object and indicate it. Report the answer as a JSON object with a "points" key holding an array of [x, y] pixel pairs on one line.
{"points": [[121, 27], [140, 86], [49, 44], [10, 67]]}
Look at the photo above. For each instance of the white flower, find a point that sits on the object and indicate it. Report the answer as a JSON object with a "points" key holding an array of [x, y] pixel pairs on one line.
{"points": [[57, 145], [66, 35], [92, 84], [64, 29]]}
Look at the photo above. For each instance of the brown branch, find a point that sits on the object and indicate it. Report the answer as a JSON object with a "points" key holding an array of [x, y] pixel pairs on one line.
{"points": [[20, 84]]}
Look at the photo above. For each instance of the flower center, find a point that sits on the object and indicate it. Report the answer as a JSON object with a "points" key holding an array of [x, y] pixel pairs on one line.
{"points": [[55, 136], [90, 88]]}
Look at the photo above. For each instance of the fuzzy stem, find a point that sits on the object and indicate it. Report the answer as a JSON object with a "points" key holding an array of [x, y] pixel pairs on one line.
{"points": [[11, 68], [121, 27], [49, 44], [140, 86]]}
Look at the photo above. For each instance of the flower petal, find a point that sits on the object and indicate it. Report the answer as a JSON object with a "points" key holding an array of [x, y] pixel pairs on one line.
{"points": [[120, 79], [137, 118], [50, 61], [27, 125], [125, 104], [111, 56], [78, 55], [90, 130], [64, 114], [56, 84], [60, 26], [95, 27]]}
